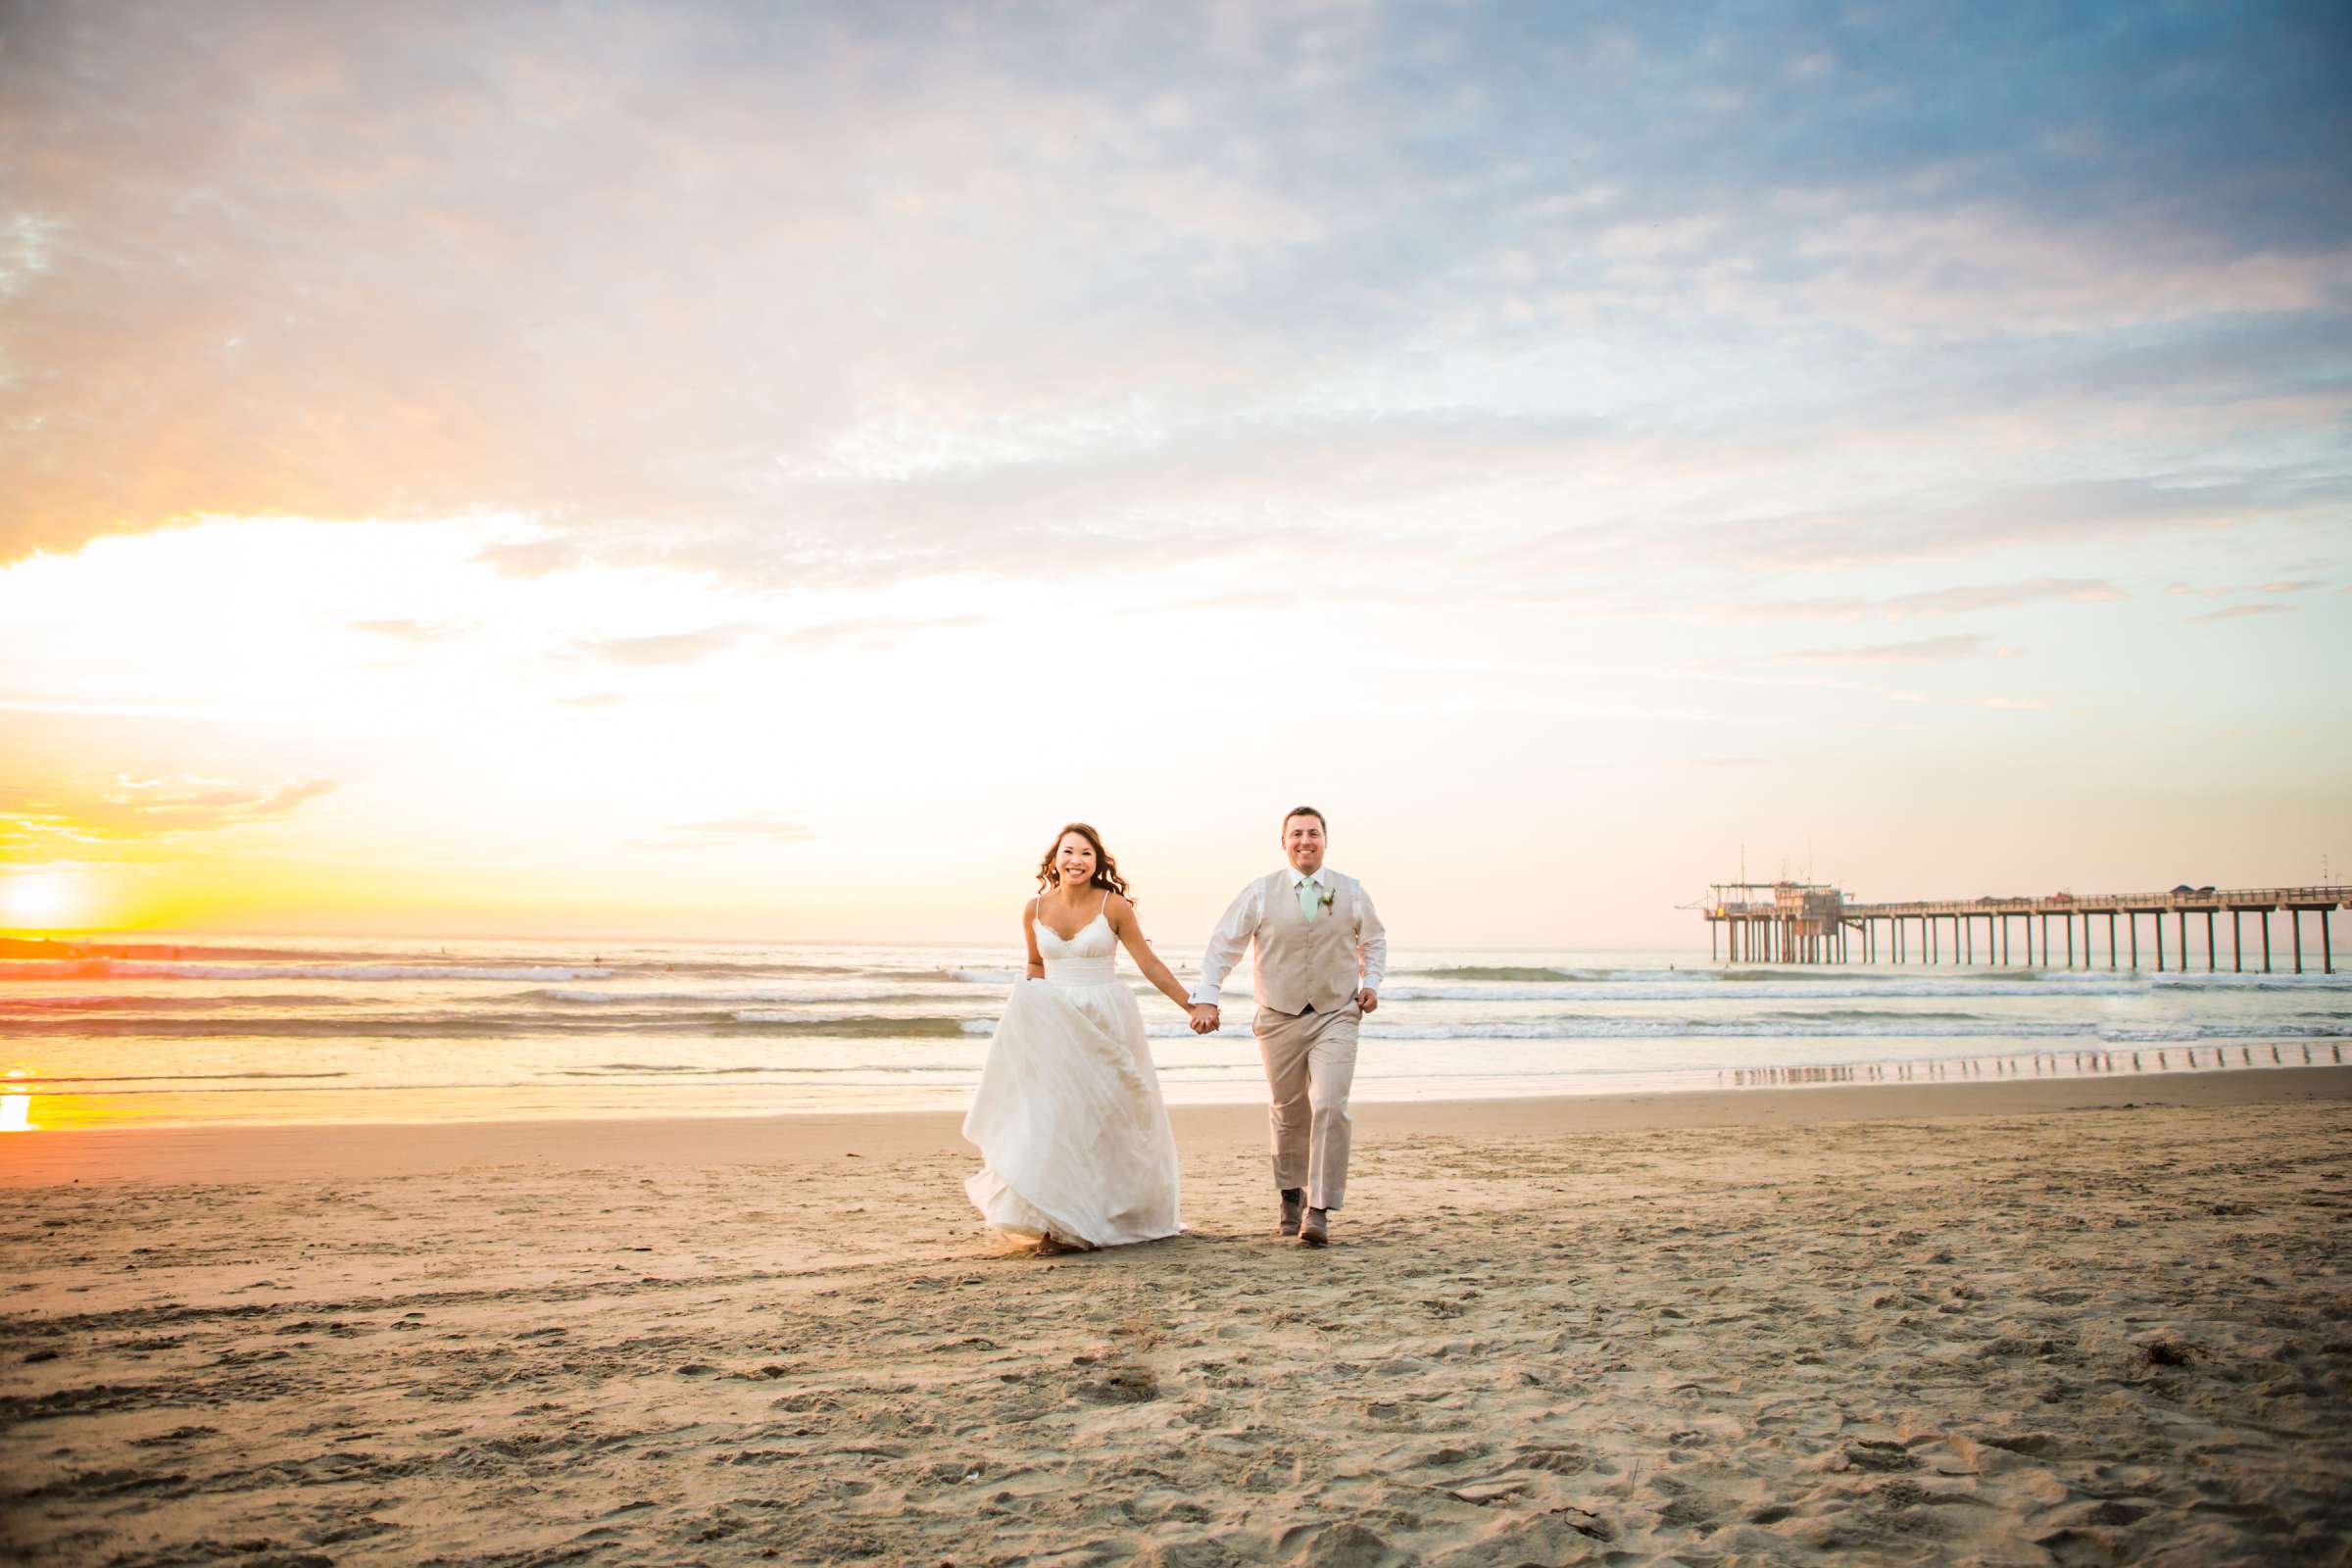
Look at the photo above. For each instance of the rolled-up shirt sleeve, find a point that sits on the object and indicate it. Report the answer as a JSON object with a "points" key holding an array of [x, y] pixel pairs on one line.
{"points": [[1226, 945], [1371, 941]]}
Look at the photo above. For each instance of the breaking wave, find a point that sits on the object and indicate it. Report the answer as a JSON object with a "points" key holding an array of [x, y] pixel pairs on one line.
{"points": [[126, 969]]}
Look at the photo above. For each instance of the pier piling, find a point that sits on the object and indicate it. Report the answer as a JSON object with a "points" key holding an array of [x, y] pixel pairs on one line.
{"points": [[1815, 924]]}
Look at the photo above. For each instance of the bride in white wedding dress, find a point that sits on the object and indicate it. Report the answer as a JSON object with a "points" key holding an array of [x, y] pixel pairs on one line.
{"points": [[1074, 1137]]}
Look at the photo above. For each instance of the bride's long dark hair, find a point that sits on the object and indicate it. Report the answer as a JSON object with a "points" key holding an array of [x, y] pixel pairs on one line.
{"points": [[1106, 870]]}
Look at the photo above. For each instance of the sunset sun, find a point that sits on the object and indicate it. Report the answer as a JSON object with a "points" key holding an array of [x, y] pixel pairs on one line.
{"points": [[40, 900]]}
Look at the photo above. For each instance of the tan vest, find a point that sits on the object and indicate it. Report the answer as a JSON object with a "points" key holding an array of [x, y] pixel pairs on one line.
{"points": [[1302, 963]]}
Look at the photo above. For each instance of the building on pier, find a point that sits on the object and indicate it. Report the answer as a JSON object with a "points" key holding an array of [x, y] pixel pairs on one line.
{"points": [[1775, 923]]}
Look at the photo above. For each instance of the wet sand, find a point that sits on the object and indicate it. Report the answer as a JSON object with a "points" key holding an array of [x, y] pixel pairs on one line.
{"points": [[2073, 1322]]}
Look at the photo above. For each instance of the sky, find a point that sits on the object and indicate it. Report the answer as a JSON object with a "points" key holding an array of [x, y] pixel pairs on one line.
{"points": [[756, 471]]}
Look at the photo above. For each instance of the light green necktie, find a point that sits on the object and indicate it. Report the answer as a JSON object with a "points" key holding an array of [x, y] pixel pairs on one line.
{"points": [[1310, 896]]}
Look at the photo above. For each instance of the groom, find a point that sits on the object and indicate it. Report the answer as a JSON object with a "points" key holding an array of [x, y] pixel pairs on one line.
{"points": [[1320, 954]]}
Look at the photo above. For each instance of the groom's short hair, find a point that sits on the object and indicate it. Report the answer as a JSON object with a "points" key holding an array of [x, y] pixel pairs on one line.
{"points": [[1304, 811]]}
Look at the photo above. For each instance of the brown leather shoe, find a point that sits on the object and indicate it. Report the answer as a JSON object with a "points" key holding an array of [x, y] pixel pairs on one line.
{"points": [[1315, 1229], [1294, 1203]]}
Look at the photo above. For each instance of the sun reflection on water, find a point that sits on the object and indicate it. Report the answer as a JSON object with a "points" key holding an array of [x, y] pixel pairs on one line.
{"points": [[15, 1104]]}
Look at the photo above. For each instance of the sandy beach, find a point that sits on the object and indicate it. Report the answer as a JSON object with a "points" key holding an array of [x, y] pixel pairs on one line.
{"points": [[2000, 1323]]}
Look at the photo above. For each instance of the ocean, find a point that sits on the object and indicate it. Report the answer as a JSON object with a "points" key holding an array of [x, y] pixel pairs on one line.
{"points": [[213, 1030]]}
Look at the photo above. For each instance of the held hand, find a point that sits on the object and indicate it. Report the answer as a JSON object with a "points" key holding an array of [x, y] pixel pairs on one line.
{"points": [[1369, 1000], [1204, 1018]]}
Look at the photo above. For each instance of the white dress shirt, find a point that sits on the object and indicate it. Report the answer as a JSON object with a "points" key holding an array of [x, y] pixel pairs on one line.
{"points": [[1232, 937]]}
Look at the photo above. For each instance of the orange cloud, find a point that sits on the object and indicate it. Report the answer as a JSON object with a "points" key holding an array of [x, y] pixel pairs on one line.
{"points": [[414, 631], [80, 821], [666, 647]]}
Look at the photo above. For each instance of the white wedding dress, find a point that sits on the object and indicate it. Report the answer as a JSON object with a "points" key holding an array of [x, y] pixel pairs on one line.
{"points": [[1072, 1132]]}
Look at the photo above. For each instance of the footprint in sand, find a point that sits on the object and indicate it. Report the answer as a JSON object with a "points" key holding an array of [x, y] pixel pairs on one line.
{"points": [[1117, 1385], [1557, 1461]]}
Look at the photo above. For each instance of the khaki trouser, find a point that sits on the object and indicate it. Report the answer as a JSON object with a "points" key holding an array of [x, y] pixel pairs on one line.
{"points": [[1310, 1062]]}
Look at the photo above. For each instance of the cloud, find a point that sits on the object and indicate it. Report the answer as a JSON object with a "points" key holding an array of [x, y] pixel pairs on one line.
{"points": [[532, 558], [82, 708], [710, 287], [1742, 677], [1908, 527], [731, 832], [414, 631], [875, 634], [281, 801], [1219, 485], [1252, 598], [2239, 612], [78, 817], [2225, 590], [1890, 273], [1927, 524], [1927, 649], [1725, 762], [2000, 596], [1955, 601], [662, 647]]}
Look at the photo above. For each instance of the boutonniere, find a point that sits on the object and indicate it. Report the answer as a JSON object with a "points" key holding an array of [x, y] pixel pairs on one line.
{"points": [[1327, 897]]}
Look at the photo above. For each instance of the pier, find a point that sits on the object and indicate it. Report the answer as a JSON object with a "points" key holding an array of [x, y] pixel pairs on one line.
{"points": [[1816, 922]]}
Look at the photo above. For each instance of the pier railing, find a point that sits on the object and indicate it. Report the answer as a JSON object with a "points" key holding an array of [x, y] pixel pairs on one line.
{"points": [[2199, 899]]}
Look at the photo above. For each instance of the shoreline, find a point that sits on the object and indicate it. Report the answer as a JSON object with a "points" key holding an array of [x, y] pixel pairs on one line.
{"points": [[41, 1105], [264, 1152]]}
